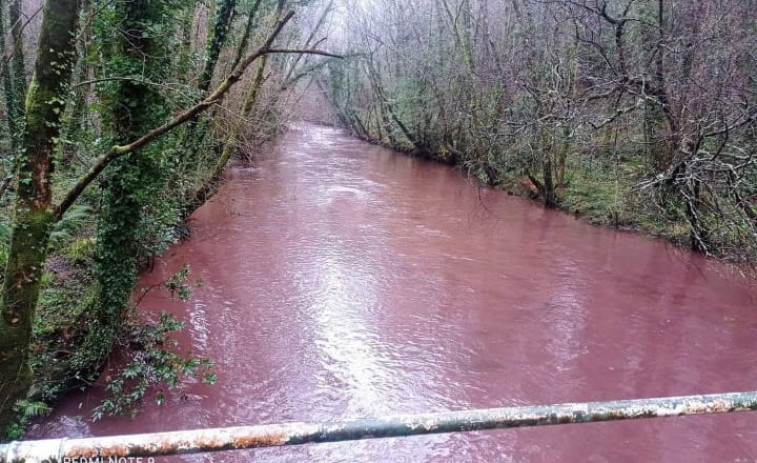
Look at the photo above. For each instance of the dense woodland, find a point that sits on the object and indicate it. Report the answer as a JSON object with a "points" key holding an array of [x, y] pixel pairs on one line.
{"points": [[120, 117], [633, 113]]}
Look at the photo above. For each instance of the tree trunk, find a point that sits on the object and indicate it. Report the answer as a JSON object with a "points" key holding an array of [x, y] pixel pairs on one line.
{"points": [[18, 62], [134, 108], [13, 103], [34, 212], [699, 235], [216, 42], [206, 190], [550, 196], [184, 58], [217, 36], [74, 123], [195, 134]]}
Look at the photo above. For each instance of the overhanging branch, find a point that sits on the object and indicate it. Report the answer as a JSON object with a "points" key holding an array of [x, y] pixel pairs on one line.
{"points": [[216, 97]]}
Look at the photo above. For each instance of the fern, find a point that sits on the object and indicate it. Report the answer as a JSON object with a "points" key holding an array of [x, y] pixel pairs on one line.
{"points": [[71, 224], [32, 409], [5, 232], [5, 238]]}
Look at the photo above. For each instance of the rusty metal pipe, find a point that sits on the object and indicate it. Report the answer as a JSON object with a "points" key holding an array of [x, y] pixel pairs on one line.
{"points": [[271, 435]]}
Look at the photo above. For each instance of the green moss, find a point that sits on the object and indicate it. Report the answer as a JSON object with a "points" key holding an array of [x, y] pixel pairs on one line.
{"points": [[64, 320], [82, 250], [599, 197]]}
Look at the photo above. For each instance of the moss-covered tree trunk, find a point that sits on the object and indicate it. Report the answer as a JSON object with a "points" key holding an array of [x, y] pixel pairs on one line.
{"points": [[217, 37], [34, 213], [18, 62], [208, 187], [184, 57], [133, 109], [13, 101], [210, 184], [74, 123], [216, 41]]}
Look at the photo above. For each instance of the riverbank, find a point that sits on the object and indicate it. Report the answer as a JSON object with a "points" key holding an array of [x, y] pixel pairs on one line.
{"points": [[599, 192]]}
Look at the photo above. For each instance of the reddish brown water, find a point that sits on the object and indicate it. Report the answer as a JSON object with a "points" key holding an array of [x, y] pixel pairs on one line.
{"points": [[344, 280]]}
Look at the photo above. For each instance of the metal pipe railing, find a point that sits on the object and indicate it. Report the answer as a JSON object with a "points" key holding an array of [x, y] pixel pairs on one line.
{"points": [[272, 435]]}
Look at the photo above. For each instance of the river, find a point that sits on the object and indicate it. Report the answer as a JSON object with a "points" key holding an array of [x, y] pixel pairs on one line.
{"points": [[341, 280]]}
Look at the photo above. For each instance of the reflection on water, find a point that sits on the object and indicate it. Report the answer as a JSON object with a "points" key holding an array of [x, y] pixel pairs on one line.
{"points": [[343, 280]]}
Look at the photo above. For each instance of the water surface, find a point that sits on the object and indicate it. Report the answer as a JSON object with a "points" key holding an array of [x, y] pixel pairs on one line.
{"points": [[344, 280]]}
